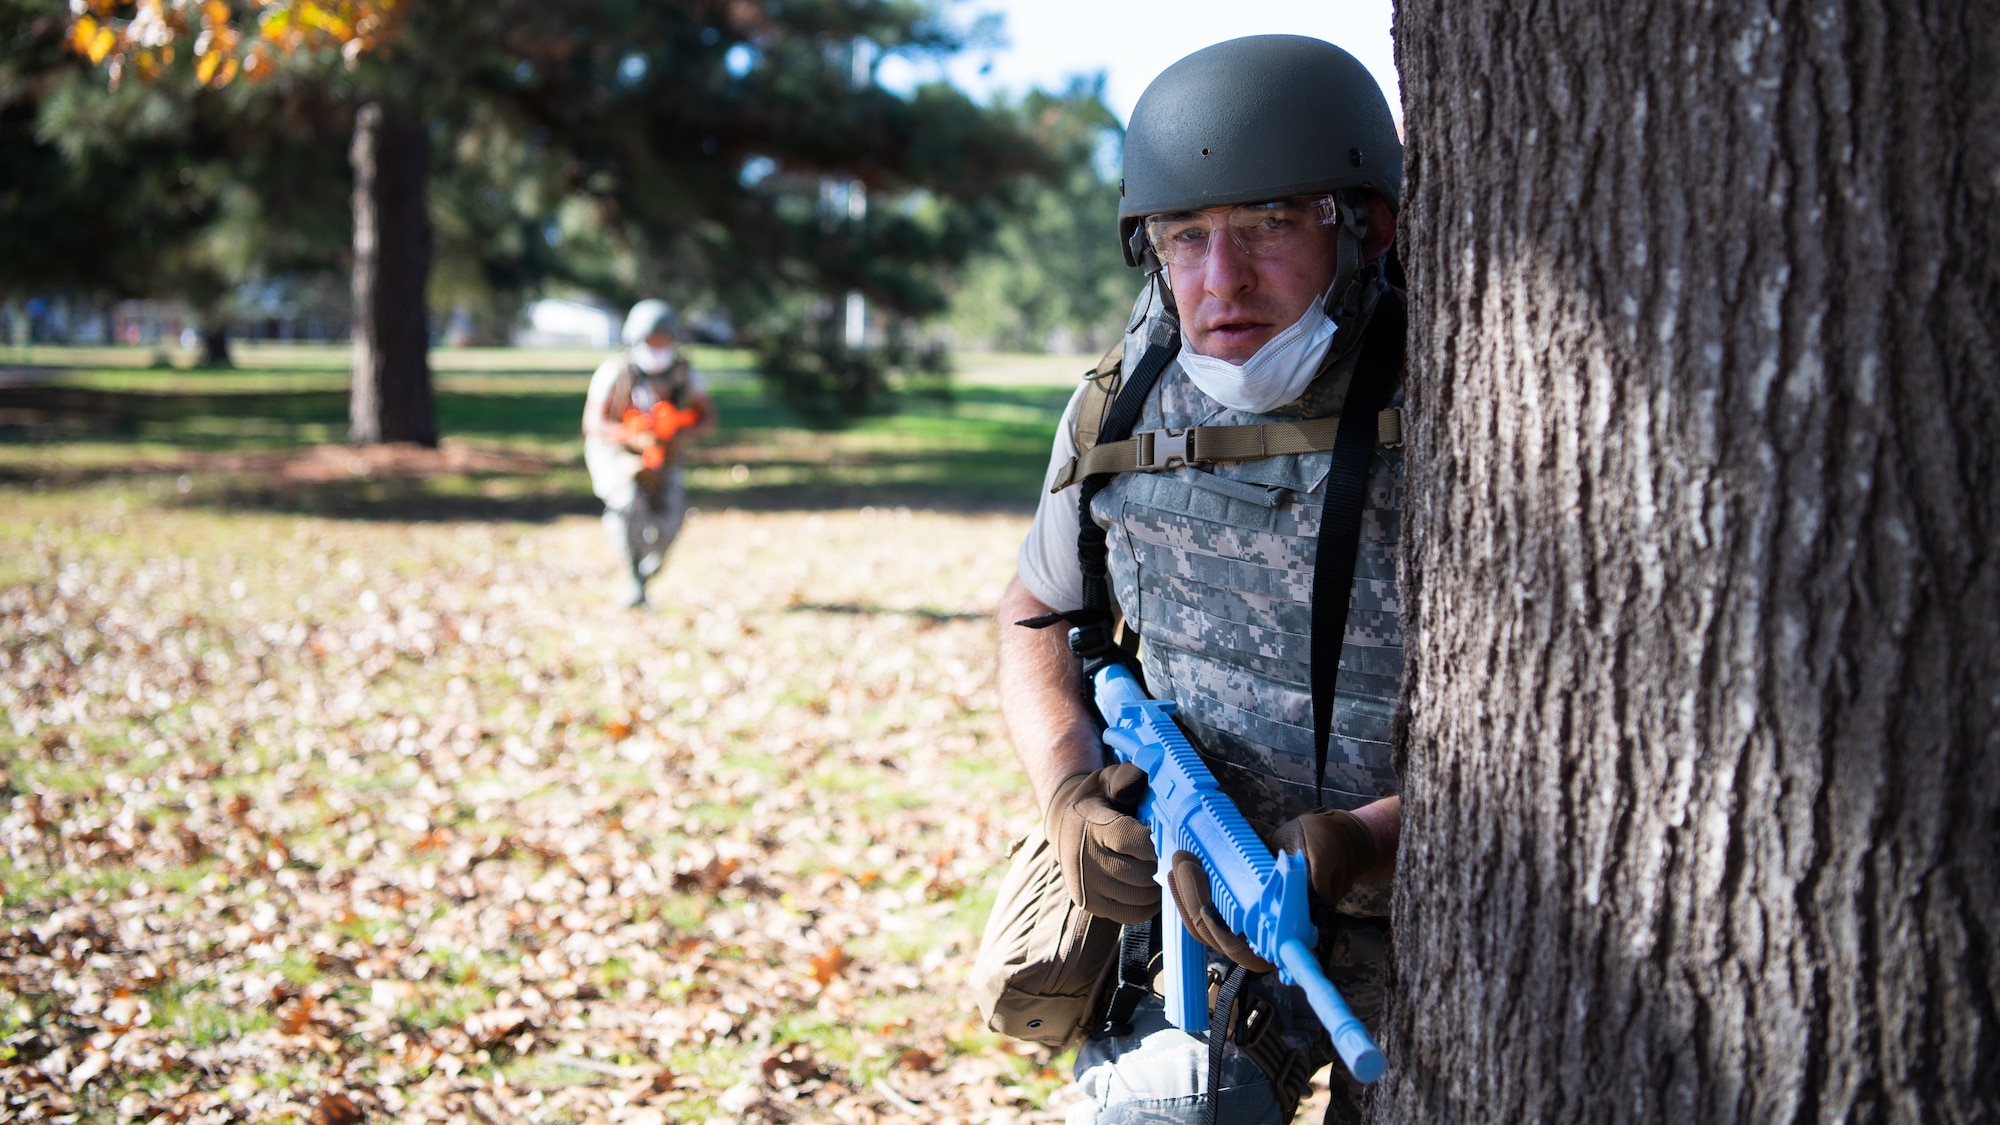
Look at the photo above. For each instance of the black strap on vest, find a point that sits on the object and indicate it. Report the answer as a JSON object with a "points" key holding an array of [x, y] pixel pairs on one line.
{"points": [[1090, 625], [1219, 1021], [1138, 944], [1376, 371], [1091, 640]]}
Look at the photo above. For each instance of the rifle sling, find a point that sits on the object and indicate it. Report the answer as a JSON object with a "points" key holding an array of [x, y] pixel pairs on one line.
{"points": [[1092, 640], [1219, 1021], [1137, 943], [1376, 372]]}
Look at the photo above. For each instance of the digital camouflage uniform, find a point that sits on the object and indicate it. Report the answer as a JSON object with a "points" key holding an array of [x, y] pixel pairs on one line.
{"points": [[1213, 565]]}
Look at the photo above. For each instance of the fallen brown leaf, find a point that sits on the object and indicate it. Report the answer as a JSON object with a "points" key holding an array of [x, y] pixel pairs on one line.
{"points": [[709, 878], [124, 1011], [297, 1015], [829, 964], [792, 1065], [337, 1109], [489, 1027]]}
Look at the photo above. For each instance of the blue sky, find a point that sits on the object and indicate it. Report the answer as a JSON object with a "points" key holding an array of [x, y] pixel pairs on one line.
{"points": [[1047, 41]]}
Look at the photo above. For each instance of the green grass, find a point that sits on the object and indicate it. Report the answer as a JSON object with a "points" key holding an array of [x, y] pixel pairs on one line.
{"points": [[201, 1020], [103, 420]]}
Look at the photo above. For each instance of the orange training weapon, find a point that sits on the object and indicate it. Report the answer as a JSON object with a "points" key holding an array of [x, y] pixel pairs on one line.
{"points": [[657, 429]]}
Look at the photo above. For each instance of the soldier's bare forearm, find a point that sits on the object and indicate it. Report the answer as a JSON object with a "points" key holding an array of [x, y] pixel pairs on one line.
{"points": [[1042, 697]]}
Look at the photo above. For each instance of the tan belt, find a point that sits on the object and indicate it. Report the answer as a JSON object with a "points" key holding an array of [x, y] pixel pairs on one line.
{"points": [[1153, 451]]}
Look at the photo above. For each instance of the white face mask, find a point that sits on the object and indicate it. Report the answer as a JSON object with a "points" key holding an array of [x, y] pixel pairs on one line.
{"points": [[650, 359], [1276, 375]]}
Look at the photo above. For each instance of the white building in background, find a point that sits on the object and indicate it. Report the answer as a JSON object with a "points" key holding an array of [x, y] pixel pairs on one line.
{"points": [[554, 322]]}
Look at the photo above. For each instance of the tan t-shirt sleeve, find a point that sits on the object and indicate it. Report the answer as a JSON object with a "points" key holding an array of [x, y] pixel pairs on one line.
{"points": [[601, 383]]}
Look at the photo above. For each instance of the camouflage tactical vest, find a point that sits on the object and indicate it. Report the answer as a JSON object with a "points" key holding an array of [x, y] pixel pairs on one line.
{"points": [[1213, 565], [635, 389]]}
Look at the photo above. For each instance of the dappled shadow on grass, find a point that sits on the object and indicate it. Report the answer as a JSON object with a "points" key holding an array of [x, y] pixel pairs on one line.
{"points": [[391, 500], [858, 609], [397, 500], [384, 482], [401, 501], [54, 413], [272, 452], [559, 490], [394, 500], [209, 418], [832, 496]]}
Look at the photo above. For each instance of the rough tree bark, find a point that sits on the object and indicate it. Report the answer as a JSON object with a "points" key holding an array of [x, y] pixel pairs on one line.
{"points": [[391, 396], [1703, 775]]}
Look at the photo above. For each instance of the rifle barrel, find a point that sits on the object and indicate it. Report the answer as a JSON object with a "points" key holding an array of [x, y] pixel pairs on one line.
{"points": [[1357, 1048]]}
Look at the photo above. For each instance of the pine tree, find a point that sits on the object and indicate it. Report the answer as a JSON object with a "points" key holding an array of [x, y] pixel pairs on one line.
{"points": [[693, 137]]}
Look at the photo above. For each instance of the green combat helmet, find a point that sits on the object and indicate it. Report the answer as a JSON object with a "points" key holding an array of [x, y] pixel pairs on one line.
{"points": [[1262, 117], [647, 317], [1258, 118]]}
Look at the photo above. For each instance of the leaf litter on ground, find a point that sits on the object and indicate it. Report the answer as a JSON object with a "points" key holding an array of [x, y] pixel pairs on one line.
{"points": [[328, 821]]}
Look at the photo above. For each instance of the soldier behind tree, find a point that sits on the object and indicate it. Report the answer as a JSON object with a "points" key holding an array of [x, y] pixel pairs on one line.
{"points": [[1259, 193]]}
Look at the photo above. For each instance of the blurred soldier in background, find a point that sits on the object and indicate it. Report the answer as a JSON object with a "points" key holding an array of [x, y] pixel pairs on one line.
{"points": [[642, 403]]}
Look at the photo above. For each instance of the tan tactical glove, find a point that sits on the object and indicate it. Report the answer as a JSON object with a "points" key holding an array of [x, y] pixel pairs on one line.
{"points": [[1105, 853], [1203, 920], [1337, 847]]}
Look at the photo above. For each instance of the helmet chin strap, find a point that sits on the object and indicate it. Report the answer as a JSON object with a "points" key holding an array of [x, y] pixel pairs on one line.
{"points": [[1156, 270], [1355, 286]]}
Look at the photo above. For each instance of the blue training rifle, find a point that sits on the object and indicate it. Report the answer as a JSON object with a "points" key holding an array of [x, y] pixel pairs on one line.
{"points": [[1260, 897]]}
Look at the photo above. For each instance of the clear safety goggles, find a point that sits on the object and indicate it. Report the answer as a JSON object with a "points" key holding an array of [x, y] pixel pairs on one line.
{"points": [[1260, 230]]}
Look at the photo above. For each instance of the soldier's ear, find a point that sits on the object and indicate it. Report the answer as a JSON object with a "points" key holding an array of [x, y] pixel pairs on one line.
{"points": [[1381, 229]]}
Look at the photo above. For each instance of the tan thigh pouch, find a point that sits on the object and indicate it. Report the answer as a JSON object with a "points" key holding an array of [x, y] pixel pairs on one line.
{"points": [[1043, 964]]}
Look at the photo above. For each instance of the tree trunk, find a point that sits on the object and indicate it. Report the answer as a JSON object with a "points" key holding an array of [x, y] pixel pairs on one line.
{"points": [[215, 344], [1702, 780], [391, 399]]}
